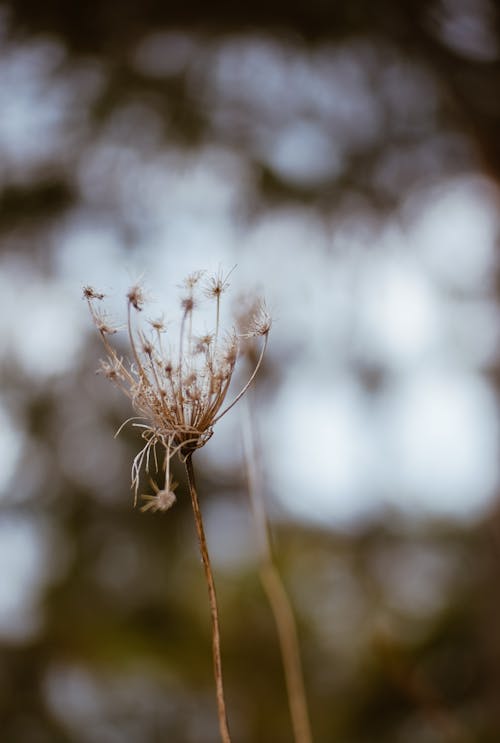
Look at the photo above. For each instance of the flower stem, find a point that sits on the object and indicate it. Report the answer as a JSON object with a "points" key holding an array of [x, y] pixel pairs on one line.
{"points": [[290, 653], [216, 652], [277, 596]]}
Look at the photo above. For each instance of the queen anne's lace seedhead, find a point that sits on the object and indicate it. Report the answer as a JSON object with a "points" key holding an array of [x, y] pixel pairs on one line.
{"points": [[178, 393]]}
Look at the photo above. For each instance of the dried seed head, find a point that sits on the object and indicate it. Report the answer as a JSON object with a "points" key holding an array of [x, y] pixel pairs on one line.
{"points": [[203, 343], [188, 304], [231, 350], [162, 500], [192, 279], [103, 323], [136, 297], [158, 324], [258, 322], [112, 369], [217, 284], [90, 293], [178, 393], [106, 329]]}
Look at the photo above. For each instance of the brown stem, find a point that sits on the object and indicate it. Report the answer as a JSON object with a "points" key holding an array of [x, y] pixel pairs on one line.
{"points": [[221, 704], [277, 596], [290, 653]]}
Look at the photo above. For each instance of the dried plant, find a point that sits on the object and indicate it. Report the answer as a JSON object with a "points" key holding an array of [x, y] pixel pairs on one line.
{"points": [[179, 393], [275, 591]]}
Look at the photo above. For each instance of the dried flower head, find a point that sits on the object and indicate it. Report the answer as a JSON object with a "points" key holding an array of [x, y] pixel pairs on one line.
{"points": [[217, 284], [162, 500], [192, 280], [136, 297], [158, 324], [90, 293], [259, 321], [178, 393], [104, 324]]}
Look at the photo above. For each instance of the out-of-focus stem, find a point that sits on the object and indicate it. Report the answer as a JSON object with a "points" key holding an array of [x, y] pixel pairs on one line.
{"points": [[216, 650], [277, 596], [245, 388]]}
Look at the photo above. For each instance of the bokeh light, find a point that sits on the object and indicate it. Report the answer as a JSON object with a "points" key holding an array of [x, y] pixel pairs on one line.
{"points": [[346, 167]]}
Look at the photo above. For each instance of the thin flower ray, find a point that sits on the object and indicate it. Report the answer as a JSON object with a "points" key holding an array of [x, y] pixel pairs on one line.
{"points": [[133, 418]]}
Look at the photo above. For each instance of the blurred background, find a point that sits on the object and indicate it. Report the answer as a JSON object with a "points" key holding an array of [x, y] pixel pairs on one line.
{"points": [[346, 157]]}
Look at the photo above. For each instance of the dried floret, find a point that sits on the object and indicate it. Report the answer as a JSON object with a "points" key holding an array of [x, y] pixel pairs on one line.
{"points": [[218, 283], [259, 321], [90, 293], [136, 297], [192, 279], [158, 324], [162, 500]]}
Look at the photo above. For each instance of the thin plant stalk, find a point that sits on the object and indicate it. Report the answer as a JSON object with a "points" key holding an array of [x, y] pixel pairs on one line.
{"points": [[216, 647], [277, 596]]}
